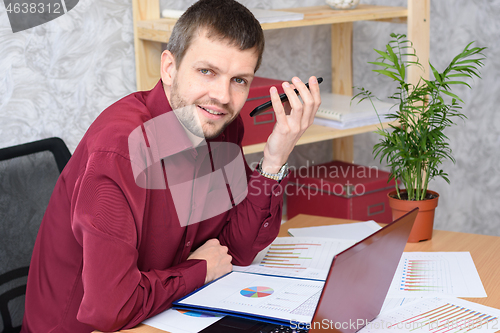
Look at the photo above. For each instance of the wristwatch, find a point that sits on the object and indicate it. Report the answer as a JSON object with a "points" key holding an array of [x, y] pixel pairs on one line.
{"points": [[282, 173]]}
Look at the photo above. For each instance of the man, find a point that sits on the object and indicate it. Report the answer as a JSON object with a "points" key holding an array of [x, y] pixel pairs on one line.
{"points": [[111, 253]]}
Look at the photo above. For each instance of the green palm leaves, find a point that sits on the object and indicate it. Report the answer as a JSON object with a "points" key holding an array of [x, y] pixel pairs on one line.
{"points": [[416, 148]]}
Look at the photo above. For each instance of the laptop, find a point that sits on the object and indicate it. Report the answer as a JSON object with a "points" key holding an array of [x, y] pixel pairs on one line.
{"points": [[355, 288]]}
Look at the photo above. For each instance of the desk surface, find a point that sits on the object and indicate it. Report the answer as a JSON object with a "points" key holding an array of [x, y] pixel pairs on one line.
{"points": [[485, 251]]}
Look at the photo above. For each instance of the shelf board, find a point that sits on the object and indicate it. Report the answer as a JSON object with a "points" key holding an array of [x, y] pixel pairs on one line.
{"points": [[317, 133], [325, 15], [159, 30]]}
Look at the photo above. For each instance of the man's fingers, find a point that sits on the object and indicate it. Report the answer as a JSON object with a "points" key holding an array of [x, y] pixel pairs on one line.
{"points": [[289, 128], [278, 107], [293, 98], [316, 95], [309, 97]]}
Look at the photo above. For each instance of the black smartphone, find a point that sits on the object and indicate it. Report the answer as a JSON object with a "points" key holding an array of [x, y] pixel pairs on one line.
{"points": [[267, 105]]}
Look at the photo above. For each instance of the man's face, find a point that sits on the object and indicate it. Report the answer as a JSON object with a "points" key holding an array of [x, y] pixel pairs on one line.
{"points": [[213, 76]]}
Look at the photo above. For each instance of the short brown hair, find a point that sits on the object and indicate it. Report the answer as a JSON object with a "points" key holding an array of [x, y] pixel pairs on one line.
{"points": [[223, 19]]}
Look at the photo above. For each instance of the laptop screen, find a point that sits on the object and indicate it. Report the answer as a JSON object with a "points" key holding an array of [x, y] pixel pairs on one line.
{"points": [[360, 277], [355, 289]]}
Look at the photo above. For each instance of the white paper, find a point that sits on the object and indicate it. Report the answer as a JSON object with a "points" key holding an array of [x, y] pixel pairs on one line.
{"points": [[351, 123], [287, 299], [180, 321], [430, 274], [450, 315], [393, 303], [343, 109], [172, 13], [271, 16], [349, 231], [303, 257]]}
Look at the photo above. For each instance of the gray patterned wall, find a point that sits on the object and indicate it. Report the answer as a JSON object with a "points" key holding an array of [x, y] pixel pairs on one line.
{"points": [[56, 78]]}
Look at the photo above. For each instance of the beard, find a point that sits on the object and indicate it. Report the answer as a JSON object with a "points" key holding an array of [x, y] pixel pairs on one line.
{"points": [[187, 114]]}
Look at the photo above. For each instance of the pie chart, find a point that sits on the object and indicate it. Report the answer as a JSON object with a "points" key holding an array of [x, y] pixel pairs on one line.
{"points": [[257, 292]]}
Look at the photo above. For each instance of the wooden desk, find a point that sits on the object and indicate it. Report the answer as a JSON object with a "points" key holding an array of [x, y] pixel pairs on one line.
{"points": [[485, 251]]}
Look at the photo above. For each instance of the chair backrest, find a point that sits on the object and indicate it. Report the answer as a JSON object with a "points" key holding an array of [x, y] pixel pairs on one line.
{"points": [[28, 173]]}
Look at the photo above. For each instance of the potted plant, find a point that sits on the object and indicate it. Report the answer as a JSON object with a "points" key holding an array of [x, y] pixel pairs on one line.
{"points": [[415, 149]]}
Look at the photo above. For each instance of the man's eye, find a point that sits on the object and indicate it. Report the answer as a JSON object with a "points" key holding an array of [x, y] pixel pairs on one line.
{"points": [[204, 71], [239, 81]]}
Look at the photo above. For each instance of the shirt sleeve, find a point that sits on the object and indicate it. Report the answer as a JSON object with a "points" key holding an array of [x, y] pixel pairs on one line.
{"points": [[107, 214], [255, 222]]}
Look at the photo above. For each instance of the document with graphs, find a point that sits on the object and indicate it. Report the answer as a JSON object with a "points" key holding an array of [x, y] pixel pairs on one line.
{"points": [[300, 257], [283, 283], [429, 274], [263, 297]]}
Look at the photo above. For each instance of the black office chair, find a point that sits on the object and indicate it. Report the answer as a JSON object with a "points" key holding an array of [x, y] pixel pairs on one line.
{"points": [[28, 173]]}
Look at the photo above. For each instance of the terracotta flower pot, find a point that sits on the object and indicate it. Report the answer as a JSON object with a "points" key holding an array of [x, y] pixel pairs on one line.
{"points": [[423, 226]]}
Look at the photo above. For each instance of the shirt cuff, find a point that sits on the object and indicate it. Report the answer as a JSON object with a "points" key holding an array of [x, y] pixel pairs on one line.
{"points": [[194, 272], [264, 192]]}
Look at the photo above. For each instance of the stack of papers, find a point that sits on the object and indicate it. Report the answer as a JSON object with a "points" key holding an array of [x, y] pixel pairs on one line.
{"points": [[339, 111], [286, 279], [262, 15]]}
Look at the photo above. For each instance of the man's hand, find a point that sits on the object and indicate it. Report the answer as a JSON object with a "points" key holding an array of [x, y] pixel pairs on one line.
{"points": [[290, 125], [218, 261]]}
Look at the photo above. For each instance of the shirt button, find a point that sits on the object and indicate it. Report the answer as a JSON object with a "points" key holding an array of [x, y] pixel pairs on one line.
{"points": [[277, 191], [266, 224], [188, 244]]}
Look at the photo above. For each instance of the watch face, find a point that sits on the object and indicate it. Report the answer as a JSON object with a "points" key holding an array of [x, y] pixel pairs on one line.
{"points": [[283, 170]]}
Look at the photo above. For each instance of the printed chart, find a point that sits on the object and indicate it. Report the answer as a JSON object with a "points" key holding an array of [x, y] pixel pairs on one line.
{"points": [[298, 257], [291, 256], [257, 292], [429, 274], [287, 297], [272, 297], [451, 315], [426, 275]]}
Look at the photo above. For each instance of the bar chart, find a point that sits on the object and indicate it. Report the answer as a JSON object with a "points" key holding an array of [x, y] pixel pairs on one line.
{"points": [[443, 315], [303, 257], [426, 275], [290, 256], [430, 274]]}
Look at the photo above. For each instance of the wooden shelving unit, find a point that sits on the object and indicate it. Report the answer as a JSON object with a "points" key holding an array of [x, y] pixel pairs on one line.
{"points": [[150, 31], [319, 133]]}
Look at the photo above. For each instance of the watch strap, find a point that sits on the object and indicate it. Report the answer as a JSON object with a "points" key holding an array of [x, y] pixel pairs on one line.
{"points": [[282, 173]]}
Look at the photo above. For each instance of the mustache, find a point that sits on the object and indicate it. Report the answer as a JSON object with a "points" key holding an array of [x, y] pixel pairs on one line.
{"points": [[215, 103]]}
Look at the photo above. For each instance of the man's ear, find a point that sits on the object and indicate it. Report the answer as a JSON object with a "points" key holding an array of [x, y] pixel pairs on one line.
{"points": [[168, 68]]}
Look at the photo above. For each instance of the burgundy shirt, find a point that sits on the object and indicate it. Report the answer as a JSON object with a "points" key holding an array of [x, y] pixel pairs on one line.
{"points": [[110, 253]]}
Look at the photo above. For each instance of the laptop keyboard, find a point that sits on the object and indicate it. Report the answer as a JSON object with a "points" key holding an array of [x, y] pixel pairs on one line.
{"points": [[285, 329]]}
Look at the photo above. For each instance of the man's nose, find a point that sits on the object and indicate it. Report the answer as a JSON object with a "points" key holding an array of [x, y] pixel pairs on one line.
{"points": [[220, 91]]}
